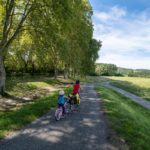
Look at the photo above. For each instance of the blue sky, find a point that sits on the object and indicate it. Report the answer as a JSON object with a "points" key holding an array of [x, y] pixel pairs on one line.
{"points": [[123, 26]]}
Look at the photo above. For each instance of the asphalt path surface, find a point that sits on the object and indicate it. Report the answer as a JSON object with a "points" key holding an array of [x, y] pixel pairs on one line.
{"points": [[82, 130]]}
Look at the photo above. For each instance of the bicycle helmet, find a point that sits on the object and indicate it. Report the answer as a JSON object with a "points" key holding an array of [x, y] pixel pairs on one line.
{"points": [[77, 81], [61, 92]]}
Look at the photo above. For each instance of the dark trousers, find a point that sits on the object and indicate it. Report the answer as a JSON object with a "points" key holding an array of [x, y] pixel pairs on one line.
{"points": [[62, 105]]}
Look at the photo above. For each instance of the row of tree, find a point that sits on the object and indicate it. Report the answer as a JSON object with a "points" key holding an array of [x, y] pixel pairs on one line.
{"points": [[112, 70], [139, 73], [103, 69], [45, 36]]}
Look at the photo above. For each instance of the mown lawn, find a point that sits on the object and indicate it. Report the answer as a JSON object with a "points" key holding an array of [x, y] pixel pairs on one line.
{"points": [[128, 119], [135, 85], [15, 119]]}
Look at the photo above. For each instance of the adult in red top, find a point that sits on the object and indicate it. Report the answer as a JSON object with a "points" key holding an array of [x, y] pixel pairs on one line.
{"points": [[76, 87]]}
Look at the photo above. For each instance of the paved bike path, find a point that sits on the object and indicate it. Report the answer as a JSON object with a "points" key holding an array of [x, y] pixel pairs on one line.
{"points": [[135, 98], [83, 130]]}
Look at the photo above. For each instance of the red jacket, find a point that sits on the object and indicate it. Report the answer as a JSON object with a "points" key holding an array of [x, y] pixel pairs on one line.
{"points": [[76, 88]]}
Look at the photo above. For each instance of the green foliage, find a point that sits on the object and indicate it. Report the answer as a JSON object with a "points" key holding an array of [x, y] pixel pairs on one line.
{"points": [[91, 56], [134, 72], [106, 69], [59, 39], [139, 73], [129, 120], [113, 70]]}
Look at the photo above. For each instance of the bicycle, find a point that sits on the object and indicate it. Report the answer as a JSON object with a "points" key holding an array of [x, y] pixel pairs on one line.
{"points": [[70, 105], [59, 112], [74, 102]]}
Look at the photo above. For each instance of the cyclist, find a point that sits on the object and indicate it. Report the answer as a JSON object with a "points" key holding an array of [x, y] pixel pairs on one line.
{"points": [[61, 100], [76, 87], [76, 90]]}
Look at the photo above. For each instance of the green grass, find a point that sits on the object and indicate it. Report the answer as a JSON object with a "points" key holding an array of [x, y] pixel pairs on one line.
{"points": [[18, 86], [12, 120], [137, 86], [141, 82], [91, 79], [128, 119]]}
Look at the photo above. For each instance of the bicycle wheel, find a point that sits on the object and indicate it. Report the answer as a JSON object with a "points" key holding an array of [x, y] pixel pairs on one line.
{"points": [[67, 108], [58, 114]]}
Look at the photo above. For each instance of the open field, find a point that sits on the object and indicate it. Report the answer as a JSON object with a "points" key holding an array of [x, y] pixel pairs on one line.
{"points": [[128, 119], [135, 85]]}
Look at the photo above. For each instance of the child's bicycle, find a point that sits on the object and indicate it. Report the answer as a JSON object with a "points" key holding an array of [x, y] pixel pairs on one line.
{"points": [[70, 106], [74, 102], [59, 112]]}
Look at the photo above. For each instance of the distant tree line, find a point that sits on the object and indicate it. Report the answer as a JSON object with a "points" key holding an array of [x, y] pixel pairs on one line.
{"points": [[106, 69], [139, 73], [46, 36], [103, 69]]}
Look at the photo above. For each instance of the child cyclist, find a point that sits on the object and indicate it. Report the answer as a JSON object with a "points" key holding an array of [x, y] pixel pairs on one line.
{"points": [[61, 100], [76, 87], [76, 91]]}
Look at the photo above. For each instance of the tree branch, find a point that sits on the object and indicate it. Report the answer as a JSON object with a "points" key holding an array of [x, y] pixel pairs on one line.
{"points": [[23, 18], [9, 7]]}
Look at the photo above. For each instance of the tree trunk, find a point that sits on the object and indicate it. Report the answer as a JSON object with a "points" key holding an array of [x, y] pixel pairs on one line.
{"points": [[2, 76], [33, 69], [56, 73], [66, 72]]}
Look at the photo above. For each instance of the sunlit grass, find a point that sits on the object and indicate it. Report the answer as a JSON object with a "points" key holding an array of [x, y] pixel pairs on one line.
{"points": [[15, 119], [135, 85], [22, 86], [130, 121], [141, 82], [10, 121], [91, 79]]}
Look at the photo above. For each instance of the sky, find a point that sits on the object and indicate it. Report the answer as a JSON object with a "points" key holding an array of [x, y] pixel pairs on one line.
{"points": [[123, 26]]}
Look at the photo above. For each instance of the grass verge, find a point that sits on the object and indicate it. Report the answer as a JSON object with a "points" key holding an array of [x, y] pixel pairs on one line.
{"points": [[128, 119], [13, 120], [136, 85], [140, 91], [91, 79]]}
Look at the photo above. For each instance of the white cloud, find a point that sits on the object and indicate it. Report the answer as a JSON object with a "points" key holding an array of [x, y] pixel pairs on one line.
{"points": [[113, 14], [127, 61], [123, 35]]}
